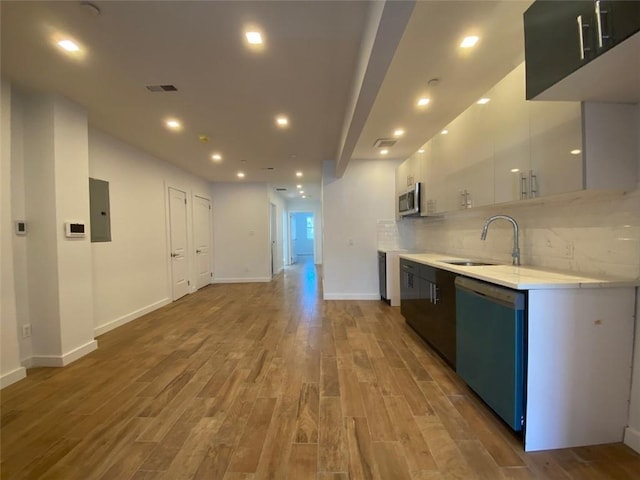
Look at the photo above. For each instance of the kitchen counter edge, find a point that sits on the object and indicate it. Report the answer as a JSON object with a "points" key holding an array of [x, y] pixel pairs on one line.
{"points": [[519, 277]]}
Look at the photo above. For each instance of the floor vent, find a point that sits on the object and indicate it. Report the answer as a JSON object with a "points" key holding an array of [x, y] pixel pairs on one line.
{"points": [[162, 88]]}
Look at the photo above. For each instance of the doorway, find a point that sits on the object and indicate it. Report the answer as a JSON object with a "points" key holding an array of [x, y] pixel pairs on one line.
{"points": [[302, 226], [202, 235], [273, 236], [178, 243]]}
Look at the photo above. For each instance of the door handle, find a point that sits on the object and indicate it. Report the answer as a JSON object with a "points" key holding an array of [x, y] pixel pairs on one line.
{"points": [[174, 255], [198, 251]]}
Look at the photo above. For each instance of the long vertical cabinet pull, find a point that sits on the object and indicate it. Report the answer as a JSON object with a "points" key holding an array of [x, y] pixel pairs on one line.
{"points": [[601, 34], [581, 27], [533, 184], [524, 194]]}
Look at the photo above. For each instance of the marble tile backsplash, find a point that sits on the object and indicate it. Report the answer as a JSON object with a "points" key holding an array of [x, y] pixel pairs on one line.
{"points": [[586, 232], [394, 235]]}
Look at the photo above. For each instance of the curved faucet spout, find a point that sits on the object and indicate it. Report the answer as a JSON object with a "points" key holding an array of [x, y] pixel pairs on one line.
{"points": [[516, 248]]}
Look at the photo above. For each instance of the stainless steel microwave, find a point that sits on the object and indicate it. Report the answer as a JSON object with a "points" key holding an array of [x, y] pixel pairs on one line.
{"points": [[409, 202]]}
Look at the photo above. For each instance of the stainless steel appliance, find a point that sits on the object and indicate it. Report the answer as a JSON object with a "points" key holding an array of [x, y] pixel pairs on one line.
{"points": [[382, 275], [409, 202]]}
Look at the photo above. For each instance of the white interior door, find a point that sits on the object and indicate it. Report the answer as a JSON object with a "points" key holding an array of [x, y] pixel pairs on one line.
{"points": [[202, 234], [178, 240]]}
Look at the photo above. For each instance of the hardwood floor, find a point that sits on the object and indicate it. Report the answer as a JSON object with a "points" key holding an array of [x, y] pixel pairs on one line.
{"points": [[267, 381]]}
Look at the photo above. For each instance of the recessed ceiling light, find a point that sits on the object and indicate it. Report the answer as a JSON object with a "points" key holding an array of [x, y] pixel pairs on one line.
{"points": [[421, 150], [576, 151], [304, 196], [470, 41], [254, 38], [298, 174], [398, 132], [282, 121], [515, 170], [68, 45], [240, 174], [483, 101], [384, 151], [298, 186], [301, 192], [444, 132], [216, 157], [173, 124], [424, 101]]}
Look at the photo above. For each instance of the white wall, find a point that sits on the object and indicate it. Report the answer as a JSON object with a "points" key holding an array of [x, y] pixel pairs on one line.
{"points": [[352, 206], [315, 207], [241, 251], [19, 210], [10, 369], [75, 283], [632, 434], [42, 255], [131, 274]]}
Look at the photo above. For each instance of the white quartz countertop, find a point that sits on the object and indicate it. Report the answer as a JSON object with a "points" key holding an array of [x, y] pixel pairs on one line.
{"points": [[519, 278]]}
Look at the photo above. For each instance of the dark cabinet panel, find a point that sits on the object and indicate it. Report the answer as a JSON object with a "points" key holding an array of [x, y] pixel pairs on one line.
{"points": [[427, 302], [563, 35], [615, 21], [382, 274], [558, 40]]}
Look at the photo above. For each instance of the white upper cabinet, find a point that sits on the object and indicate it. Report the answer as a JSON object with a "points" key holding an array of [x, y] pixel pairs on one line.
{"points": [[509, 127], [511, 149]]}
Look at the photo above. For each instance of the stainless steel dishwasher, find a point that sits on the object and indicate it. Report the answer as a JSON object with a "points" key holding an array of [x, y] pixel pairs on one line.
{"points": [[490, 345]]}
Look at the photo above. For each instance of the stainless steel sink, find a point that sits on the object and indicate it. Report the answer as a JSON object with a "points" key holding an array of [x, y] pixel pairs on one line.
{"points": [[467, 263]]}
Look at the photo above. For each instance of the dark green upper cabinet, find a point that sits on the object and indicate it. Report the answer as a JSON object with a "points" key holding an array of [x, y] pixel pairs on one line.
{"points": [[562, 36]]}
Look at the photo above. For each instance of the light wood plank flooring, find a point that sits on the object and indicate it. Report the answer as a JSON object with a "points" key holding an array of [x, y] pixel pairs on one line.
{"points": [[267, 381]]}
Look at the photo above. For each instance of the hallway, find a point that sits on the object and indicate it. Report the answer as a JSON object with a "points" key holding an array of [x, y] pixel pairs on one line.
{"points": [[267, 381]]}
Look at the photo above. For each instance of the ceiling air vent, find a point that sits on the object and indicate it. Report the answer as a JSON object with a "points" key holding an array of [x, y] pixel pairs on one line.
{"points": [[280, 189], [384, 143], [162, 88]]}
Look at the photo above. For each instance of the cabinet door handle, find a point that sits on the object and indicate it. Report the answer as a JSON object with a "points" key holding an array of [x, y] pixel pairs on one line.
{"points": [[533, 184], [523, 187], [601, 35], [435, 294], [581, 27]]}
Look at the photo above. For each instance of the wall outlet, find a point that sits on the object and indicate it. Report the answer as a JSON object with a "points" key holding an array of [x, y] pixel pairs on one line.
{"points": [[26, 331]]}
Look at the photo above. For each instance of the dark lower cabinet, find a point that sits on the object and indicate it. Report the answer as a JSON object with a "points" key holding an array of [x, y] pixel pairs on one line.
{"points": [[428, 304], [563, 35]]}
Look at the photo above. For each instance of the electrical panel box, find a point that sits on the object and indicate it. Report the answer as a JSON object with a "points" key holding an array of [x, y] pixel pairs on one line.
{"points": [[100, 212]]}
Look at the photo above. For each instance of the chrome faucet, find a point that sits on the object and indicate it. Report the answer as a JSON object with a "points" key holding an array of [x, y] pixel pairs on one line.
{"points": [[516, 249]]}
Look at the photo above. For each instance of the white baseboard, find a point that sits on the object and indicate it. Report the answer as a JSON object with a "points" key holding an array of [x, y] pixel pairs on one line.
{"points": [[242, 280], [632, 438], [106, 327], [27, 362], [351, 296], [12, 377], [66, 359]]}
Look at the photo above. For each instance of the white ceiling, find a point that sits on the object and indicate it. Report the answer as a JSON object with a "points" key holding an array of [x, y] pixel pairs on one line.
{"points": [[307, 70]]}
